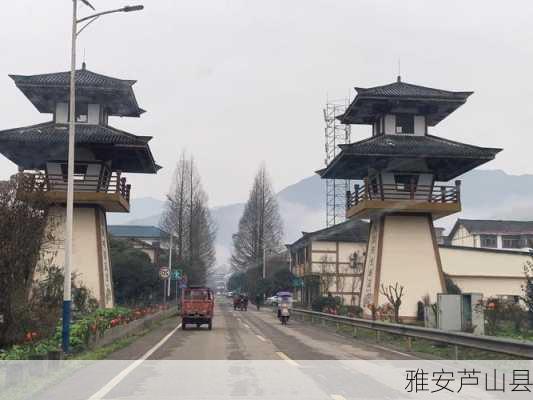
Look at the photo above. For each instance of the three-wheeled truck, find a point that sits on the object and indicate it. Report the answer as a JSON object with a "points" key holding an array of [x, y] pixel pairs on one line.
{"points": [[197, 304]]}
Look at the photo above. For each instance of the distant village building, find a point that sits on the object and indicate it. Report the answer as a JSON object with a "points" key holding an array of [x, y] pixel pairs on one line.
{"points": [[330, 260], [492, 234], [103, 155], [149, 239]]}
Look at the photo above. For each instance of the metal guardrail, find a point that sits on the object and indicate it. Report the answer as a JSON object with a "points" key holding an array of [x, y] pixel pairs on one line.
{"points": [[517, 348]]}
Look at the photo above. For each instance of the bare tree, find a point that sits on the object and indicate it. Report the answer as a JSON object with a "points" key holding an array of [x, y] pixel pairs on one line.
{"points": [[355, 281], [527, 289], [188, 219], [260, 227], [326, 277], [394, 296]]}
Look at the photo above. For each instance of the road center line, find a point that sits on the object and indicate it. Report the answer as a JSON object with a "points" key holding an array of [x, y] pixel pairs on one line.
{"points": [[285, 357], [125, 372]]}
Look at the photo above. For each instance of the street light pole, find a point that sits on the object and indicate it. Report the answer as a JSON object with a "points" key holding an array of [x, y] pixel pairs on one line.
{"points": [[264, 262], [67, 271], [170, 265], [67, 289]]}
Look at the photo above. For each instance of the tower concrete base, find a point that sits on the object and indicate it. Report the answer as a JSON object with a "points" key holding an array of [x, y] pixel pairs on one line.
{"points": [[402, 249], [91, 260]]}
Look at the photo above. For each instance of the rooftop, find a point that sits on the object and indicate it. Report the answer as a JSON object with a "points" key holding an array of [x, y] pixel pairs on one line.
{"points": [[45, 90], [349, 231], [32, 146], [355, 158], [136, 231], [372, 102], [404, 89], [485, 226]]}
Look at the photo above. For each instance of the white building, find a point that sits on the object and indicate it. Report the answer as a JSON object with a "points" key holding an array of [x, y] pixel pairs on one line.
{"points": [[330, 260], [492, 234]]}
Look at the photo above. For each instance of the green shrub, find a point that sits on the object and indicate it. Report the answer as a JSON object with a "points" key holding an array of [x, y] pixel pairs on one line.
{"points": [[81, 331]]}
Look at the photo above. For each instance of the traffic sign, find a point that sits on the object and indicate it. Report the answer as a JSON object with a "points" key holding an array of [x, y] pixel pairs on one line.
{"points": [[164, 272], [297, 282], [176, 274]]}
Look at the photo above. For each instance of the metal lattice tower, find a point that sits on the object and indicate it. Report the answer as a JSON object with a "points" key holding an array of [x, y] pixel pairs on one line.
{"points": [[336, 133]]}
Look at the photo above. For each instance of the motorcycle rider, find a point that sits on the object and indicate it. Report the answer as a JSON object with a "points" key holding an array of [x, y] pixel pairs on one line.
{"points": [[284, 313]]}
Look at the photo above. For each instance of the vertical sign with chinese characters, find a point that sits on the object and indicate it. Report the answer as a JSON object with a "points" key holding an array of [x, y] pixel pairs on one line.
{"points": [[367, 289], [108, 286]]}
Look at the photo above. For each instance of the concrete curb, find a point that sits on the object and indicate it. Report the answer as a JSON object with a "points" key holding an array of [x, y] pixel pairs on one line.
{"points": [[119, 332]]}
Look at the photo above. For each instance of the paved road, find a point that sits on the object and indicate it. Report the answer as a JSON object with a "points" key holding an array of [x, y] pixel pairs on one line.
{"points": [[247, 355], [252, 335]]}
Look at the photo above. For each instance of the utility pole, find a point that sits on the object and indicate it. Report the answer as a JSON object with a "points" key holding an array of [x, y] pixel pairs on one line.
{"points": [[264, 262], [170, 264], [67, 271]]}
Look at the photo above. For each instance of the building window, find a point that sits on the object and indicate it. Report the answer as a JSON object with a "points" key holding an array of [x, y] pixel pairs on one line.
{"points": [[82, 113], [489, 241], [377, 127], [511, 242], [527, 240], [79, 172], [405, 123], [406, 183]]}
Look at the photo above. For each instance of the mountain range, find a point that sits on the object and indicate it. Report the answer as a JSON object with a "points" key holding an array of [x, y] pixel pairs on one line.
{"points": [[485, 194]]}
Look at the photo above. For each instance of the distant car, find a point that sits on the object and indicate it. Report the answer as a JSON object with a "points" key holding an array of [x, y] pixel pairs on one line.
{"points": [[273, 300], [229, 294]]}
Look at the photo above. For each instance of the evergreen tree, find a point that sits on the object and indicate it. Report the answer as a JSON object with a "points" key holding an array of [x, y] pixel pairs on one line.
{"points": [[188, 219], [260, 227]]}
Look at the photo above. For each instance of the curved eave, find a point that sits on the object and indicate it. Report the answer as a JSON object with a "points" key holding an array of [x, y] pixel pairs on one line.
{"points": [[120, 102], [364, 110], [355, 166], [31, 147]]}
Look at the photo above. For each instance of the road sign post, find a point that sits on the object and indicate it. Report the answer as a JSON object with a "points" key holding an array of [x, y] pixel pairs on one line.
{"points": [[164, 274]]}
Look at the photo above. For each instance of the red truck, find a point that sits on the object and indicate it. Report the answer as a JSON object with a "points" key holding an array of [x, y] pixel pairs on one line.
{"points": [[197, 303]]}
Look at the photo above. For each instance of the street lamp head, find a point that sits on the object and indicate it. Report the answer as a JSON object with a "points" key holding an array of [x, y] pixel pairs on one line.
{"points": [[133, 8]]}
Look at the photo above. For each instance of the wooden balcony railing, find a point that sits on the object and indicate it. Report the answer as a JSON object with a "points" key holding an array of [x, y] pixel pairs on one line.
{"points": [[113, 183], [413, 192]]}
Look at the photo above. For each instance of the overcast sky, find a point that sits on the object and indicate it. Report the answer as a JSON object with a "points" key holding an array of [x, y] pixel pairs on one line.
{"points": [[237, 82]]}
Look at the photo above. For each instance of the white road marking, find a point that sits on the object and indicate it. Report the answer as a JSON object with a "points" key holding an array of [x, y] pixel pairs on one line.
{"points": [[394, 351], [246, 325], [338, 397], [117, 379], [261, 338], [285, 357]]}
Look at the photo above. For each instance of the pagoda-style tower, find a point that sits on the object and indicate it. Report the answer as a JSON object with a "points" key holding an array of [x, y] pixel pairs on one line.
{"points": [[103, 154], [404, 171]]}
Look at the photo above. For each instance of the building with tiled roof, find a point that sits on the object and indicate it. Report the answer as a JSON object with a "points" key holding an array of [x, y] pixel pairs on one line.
{"points": [[103, 154], [492, 234], [330, 260], [405, 173], [150, 239]]}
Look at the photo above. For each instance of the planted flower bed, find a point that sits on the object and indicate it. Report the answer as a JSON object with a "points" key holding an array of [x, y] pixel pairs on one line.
{"points": [[84, 331]]}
